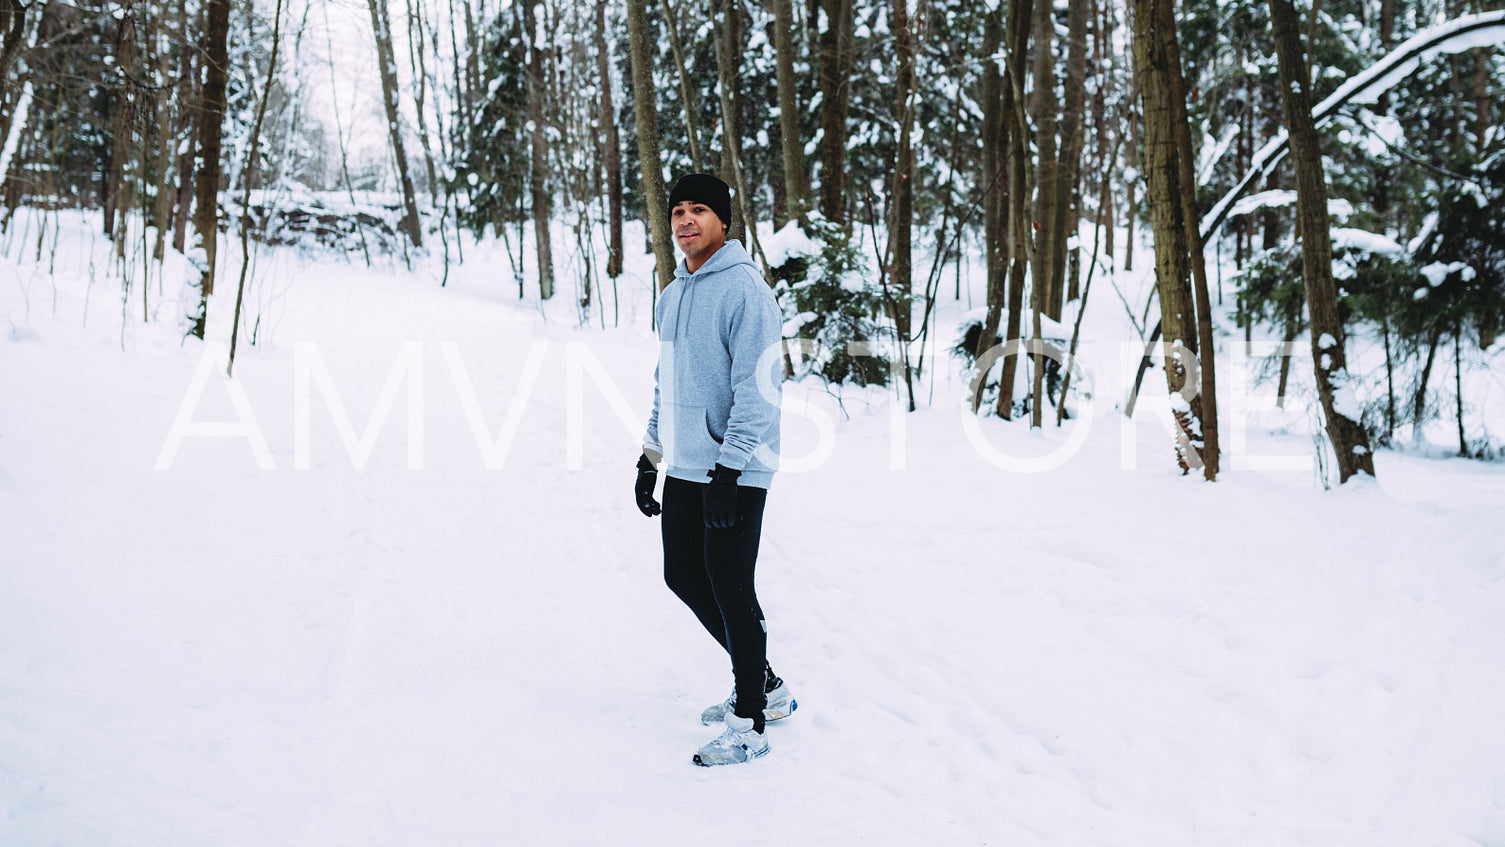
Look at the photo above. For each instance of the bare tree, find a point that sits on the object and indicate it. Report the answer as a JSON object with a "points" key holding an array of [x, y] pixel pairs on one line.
{"points": [[245, 205], [12, 33], [1016, 45], [613, 149], [1206, 404], [728, 91], [1350, 441], [1167, 215], [540, 192], [901, 231], [124, 114], [211, 118], [655, 198], [166, 120], [686, 94], [836, 92], [189, 121], [381, 27], [419, 68], [789, 119], [1049, 244], [1068, 185], [994, 165]]}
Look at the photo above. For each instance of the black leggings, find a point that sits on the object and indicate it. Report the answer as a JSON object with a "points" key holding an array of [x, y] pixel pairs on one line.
{"points": [[711, 570]]}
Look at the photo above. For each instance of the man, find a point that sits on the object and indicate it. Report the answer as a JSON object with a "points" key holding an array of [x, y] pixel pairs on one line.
{"points": [[716, 405]]}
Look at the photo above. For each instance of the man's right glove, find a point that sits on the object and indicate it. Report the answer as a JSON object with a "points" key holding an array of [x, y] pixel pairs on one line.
{"points": [[720, 507], [647, 476]]}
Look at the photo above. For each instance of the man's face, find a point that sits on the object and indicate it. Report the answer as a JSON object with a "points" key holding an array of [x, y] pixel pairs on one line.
{"points": [[697, 230]]}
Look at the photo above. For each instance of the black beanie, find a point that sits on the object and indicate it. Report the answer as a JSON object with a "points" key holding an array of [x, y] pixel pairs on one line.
{"points": [[703, 188]]}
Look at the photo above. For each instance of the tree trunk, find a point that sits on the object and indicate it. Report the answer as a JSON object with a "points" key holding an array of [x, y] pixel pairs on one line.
{"points": [[613, 149], [901, 231], [211, 118], [166, 118], [1481, 98], [473, 60], [835, 88], [1050, 247], [994, 180], [381, 29], [1047, 246], [1016, 37], [686, 94], [1101, 55], [187, 129], [420, 95], [12, 31], [645, 118], [775, 176], [789, 117], [1419, 399], [1389, 379], [1167, 216], [123, 112], [1207, 407], [1350, 441], [1135, 157], [1458, 386], [728, 83], [1068, 185], [185, 191], [539, 194], [1292, 329], [245, 205]]}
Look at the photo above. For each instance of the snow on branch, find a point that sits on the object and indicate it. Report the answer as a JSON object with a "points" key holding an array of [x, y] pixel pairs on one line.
{"points": [[1455, 36]]}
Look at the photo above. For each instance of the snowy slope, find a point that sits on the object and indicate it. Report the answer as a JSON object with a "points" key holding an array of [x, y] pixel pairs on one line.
{"points": [[217, 654]]}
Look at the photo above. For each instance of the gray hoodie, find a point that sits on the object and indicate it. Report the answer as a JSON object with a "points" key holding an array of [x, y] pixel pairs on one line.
{"points": [[719, 374]]}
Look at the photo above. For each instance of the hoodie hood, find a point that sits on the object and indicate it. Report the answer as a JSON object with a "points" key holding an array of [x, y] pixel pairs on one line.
{"points": [[731, 254]]}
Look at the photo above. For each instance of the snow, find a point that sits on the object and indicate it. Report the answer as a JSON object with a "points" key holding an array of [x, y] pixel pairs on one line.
{"points": [[1213, 154], [217, 654], [789, 242], [1437, 272], [1345, 397], [1428, 228], [1450, 37], [1368, 242], [12, 140], [793, 326], [1366, 87], [1276, 198], [1385, 132]]}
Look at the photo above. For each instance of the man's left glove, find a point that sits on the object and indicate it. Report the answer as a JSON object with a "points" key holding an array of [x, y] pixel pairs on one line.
{"points": [[647, 476], [721, 498]]}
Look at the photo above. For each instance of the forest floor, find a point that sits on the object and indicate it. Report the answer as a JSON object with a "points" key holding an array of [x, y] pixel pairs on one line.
{"points": [[407, 647]]}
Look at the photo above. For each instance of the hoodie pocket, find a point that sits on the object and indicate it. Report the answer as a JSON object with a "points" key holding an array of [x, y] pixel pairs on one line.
{"points": [[687, 440]]}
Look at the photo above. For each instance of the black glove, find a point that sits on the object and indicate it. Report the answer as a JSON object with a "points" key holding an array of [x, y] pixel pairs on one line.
{"points": [[721, 498], [647, 475]]}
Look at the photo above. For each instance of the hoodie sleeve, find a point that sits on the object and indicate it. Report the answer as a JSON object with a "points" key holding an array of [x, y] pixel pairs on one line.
{"points": [[756, 329], [651, 444]]}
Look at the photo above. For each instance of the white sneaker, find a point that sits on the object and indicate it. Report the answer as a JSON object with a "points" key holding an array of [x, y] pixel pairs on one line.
{"points": [[738, 743], [781, 704]]}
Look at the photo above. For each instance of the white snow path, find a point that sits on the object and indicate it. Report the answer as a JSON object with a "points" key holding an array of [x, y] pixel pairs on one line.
{"points": [[219, 655]]}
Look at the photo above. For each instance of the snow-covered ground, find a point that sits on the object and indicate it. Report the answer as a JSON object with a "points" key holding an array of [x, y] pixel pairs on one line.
{"points": [[427, 650]]}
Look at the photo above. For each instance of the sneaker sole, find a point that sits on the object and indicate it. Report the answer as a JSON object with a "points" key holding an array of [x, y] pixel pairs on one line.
{"points": [[768, 715], [758, 755]]}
